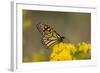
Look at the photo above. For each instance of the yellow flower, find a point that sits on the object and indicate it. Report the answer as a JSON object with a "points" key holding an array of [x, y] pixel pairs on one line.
{"points": [[55, 48], [62, 51], [84, 47], [83, 51], [70, 47]]}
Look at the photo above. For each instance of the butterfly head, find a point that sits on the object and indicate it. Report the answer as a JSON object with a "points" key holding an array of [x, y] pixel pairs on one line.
{"points": [[61, 39]]}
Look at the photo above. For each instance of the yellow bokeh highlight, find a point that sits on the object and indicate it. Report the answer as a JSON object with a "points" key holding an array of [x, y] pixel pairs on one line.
{"points": [[38, 56], [27, 24]]}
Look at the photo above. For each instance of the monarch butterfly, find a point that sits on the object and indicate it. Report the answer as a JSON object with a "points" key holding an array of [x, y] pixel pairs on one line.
{"points": [[49, 36]]}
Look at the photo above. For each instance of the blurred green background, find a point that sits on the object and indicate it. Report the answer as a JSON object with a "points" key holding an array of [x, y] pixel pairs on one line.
{"points": [[74, 26]]}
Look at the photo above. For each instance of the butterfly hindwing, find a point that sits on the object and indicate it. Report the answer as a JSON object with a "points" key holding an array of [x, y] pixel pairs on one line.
{"points": [[49, 40]]}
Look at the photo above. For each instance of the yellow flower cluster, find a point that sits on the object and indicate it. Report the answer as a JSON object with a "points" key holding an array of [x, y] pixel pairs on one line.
{"points": [[83, 50], [68, 51], [62, 51], [85, 47]]}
